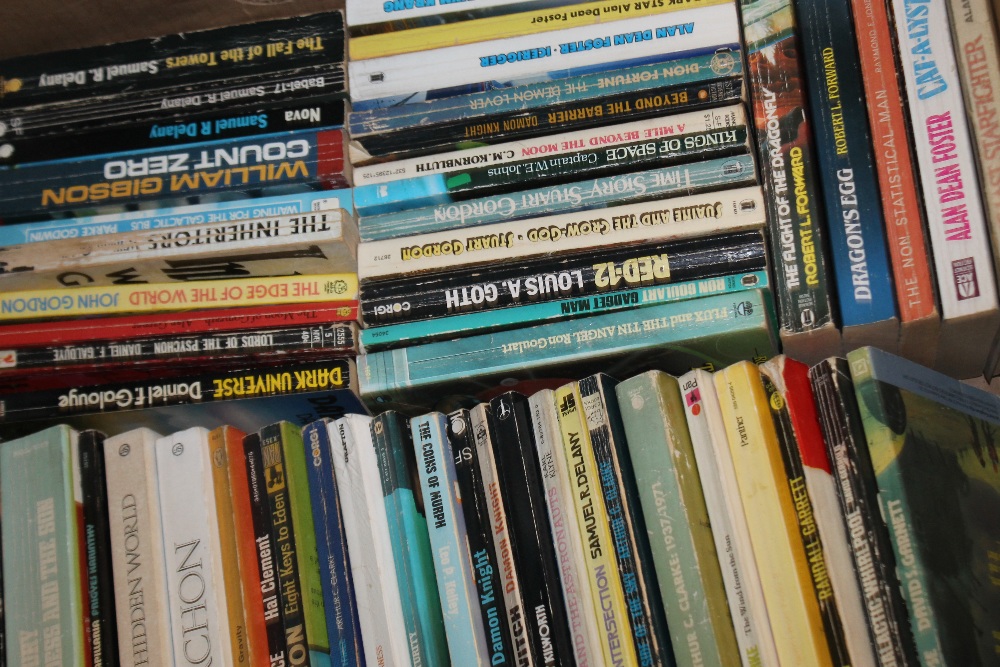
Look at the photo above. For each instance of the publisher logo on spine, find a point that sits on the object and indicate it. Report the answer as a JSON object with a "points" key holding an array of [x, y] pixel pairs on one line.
{"points": [[966, 284]]}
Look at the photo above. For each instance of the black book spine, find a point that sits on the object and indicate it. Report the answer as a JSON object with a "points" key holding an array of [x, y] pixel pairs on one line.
{"points": [[267, 558], [179, 59], [553, 119], [329, 338], [283, 533], [874, 561], [482, 551], [103, 623], [530, 532], [119, 134], [630, 540], [578, 275]]}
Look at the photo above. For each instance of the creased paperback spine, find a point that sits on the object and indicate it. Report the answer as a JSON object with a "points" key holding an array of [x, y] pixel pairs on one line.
{"points": [[529, 55], [481, 105], [579, 195], [682, 217], [159, 297], [956, 220]]}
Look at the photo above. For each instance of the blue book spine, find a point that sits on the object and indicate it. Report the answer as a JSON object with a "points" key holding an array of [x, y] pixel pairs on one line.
{"points": [[299, 160], [724, 61], [396, 335], [179, 216], [449, 541], [614, 190], [342, 625], [843, 146]]}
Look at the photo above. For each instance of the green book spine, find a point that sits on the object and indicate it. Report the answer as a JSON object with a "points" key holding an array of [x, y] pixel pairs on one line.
{"points": [[306, 554], [673, 504], [42, 588]]}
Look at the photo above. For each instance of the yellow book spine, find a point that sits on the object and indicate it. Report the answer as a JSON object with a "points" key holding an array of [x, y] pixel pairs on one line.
{"points": [[217, 439], [595, 531], [771, 517], [510, 25], [154, 298]]}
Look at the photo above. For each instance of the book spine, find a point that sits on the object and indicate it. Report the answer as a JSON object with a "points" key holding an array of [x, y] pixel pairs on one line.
{"points": [[747, 607], [684, 179], [256, 574], [736, 330], [631, 542], [843, 434], [514, 603], [305, 159], [601, 572], [103, 625], [137, 548], [342, 627], [371, 561], [449, 541], [362, 12], [482, 551], [487, 104], [580, 608], [866, 299], [520, 240], [117, 136], [331, 374], [187, 514], [82, 560], [306, 553], [40, 528], [178, 59], [789, 177], [125, 299], [514, 152], [600, 271], [283, 532], [897, 179], [502, 27], [391, 336], [681, 545], [770, 510], [128, 328], [225, 539], [530, 532], [317, 243], [957, 226], [677, 32], [247, 343], [553, 119], [179, 216]]}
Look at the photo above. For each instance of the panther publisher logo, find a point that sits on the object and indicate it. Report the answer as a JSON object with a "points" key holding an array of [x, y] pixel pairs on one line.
{"points": [[966, 284]]}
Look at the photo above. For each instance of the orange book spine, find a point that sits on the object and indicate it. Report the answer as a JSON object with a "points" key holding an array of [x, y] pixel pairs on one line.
{"points": [[894, 161]]}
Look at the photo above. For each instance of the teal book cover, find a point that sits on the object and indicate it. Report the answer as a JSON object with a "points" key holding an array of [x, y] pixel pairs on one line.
{"points": [[932, 442], [41, 562]]}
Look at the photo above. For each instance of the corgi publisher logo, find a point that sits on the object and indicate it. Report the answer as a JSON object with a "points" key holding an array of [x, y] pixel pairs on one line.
{"points": [[966, 283]]}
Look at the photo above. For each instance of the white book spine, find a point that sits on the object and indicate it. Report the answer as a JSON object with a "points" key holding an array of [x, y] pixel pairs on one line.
{"points": [[725, 511], [199, 626], [580, 607], [379, 564], [529, 55], [948, 174], [732, 210], [512, 597], [650, 129], [140, 571]]}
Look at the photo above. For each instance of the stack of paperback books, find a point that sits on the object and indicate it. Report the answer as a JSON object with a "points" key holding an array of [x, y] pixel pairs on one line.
{"points": [[207, 254], [551, 188], [761, 515]]}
